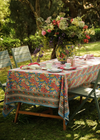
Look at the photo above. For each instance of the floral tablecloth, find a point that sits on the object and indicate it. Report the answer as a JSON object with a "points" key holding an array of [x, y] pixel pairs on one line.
{"points": [[40, 87]]}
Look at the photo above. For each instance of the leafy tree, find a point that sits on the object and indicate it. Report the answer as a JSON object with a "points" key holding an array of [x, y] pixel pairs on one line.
{"points": [[89, 8], [25, 15]]}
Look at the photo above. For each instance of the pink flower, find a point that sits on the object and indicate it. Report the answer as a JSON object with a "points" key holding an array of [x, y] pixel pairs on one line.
{"points": [[61, 18], [43, 32], [49, 31]]}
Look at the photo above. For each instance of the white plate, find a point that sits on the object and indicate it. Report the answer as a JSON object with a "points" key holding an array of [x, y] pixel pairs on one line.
{"points": [[54, 70], [67, 68], [70, 68], [44, 68]]}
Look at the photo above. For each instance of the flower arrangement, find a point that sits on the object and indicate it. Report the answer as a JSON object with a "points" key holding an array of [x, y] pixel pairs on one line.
{"points": [[60, 30]]}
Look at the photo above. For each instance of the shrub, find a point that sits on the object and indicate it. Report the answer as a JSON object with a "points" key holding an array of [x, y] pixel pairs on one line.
{"points": [[33, 41], [8, 43], [95, 37]]}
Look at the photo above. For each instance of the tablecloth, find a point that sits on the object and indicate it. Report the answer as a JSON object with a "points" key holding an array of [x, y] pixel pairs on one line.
{"points": [[40, 87]]}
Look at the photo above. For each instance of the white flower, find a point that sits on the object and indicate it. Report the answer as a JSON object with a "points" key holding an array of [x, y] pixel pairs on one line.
{"points": [[48, 20], [51, 26], [58, 18], [81, 24], [62, 25], [75, 21]]}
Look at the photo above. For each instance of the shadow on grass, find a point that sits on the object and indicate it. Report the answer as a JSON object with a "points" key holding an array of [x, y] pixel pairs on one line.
{"points": [[84, 126]]}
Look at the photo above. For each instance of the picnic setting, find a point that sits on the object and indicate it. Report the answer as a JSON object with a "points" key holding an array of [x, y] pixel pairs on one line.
{"points": [[49, 77]]}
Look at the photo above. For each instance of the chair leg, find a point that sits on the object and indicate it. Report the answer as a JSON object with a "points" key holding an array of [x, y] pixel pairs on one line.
{"points": [[97, 105], [17, 112], [80, 107]]}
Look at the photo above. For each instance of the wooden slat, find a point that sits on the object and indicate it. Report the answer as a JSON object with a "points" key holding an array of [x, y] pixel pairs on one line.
{"points": [[18, 111], [20, 50], [4, 59], [21, 54], [6, 64], [4, 55], [22, 57]]}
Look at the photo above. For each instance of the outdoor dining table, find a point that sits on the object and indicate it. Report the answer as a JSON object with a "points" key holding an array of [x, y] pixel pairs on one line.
{"points": [[45, 88]]}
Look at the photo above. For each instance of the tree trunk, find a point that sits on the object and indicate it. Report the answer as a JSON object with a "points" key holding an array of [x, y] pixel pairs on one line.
{"points": [[53, 54]]}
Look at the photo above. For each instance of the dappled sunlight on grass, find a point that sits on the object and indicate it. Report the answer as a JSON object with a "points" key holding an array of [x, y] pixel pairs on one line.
{"points": [[90, 48]]}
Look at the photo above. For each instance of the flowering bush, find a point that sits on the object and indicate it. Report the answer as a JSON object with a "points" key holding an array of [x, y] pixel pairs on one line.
{"points": [[60, 30]]}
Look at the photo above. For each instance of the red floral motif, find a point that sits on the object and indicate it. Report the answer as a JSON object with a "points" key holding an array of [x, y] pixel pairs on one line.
{"points": [[23, 84], [44, 90], [32, 80], [26, 75], [42, 76], [53, 85]]}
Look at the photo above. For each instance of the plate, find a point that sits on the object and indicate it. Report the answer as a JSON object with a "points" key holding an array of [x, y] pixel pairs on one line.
{"points": [[44, 68], [70, 68], [54, 70]]}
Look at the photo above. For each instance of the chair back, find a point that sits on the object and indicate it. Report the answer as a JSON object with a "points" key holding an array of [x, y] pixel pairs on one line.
{"points": [[4, 62], [21, 54], [5, 59], [96, 81]]}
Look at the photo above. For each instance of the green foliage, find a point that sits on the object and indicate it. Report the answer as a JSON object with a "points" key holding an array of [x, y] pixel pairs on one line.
{"points": [[33, 41], [8, 43], [4, 11], [96, 37], [24, 21]]}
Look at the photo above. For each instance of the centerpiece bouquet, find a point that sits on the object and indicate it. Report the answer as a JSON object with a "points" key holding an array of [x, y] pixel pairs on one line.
{"points": [[61, 31]]}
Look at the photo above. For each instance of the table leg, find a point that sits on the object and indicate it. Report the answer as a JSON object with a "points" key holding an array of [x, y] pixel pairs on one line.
{"points": [[80, 99], [51, 111], [17, 112], [64, 126]]}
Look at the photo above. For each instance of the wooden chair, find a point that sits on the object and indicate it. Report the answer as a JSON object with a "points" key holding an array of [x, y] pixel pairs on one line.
{"points": [[4, 62], [93, 82], [88, 93], [21, 54]]}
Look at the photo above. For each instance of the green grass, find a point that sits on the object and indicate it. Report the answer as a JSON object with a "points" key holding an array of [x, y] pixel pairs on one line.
{"points": [[84, 126]]}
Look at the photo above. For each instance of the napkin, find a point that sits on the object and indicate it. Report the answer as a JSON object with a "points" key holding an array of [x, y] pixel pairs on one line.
{"points": [[33, 66], [24, 67], [35, 63], [87, 56]]}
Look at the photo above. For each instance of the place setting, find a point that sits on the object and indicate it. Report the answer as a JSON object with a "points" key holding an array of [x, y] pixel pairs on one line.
{"points": [[51, 68], [31, 66], [67, 66]]}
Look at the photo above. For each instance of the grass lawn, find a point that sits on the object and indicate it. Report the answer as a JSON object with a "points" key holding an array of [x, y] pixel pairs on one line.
{"points": [[84, 126]]}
